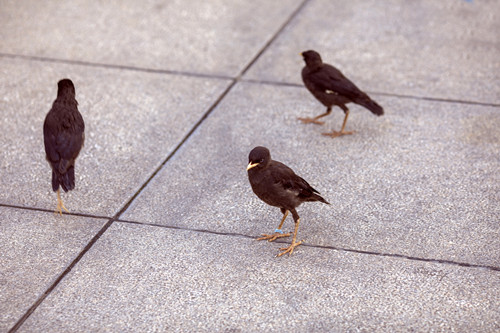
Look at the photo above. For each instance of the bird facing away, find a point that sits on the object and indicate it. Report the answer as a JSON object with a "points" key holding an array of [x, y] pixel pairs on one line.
{"points": [[331, 88], [277, 185], [63, 137]]}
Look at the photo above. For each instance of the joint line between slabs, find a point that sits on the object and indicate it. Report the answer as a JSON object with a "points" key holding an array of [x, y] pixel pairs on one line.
{"points": [[44, 210], [172, 227], [115, 66], [28, 313], [273, 38], [186, 137], [407, 257], [68, 269], [370, 92], [212, 107], [173, 152], [340, 249]]}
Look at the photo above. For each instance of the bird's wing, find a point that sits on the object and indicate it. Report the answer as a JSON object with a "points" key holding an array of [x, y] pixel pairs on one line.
{"points": [[330, 80], [289, 181], [50, 139], [63, 140]]}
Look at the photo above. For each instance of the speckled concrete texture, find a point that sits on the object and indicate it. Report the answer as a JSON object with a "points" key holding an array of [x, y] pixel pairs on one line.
{"points": [[35, 248], [442, 49], [175, 94], [133, 121], [145, 279], [213, 37], [405, 183]]}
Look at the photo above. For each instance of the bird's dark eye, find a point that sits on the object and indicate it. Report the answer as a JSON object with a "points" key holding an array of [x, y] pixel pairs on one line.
{"points": [[261, 160]]}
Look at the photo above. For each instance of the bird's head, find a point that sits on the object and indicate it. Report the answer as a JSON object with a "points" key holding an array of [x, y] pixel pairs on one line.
{"points": [[312, 58], [65, 87], [259, 157]]}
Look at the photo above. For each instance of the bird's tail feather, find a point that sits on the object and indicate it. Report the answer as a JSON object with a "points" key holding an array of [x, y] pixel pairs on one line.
{"points": [[65, 180], [317, 197], [55, 181], [68, 179], [371, 105]]}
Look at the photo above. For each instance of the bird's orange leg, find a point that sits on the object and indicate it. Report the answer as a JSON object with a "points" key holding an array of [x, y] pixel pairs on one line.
{"points": [[335, 134], [278, 233], [294, 243], [60, 205], [315, 119]]}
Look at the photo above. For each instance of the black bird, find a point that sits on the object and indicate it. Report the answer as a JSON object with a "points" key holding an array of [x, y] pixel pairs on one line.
{"points": [[277, 185], [331, 88], [63, 137]]}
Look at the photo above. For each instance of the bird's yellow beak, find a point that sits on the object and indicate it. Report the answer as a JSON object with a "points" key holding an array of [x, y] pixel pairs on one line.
{"points": [[251, 165], [300, 54]]}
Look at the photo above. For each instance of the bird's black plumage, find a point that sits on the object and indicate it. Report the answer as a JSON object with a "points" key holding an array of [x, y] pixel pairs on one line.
{"points": [[278, 185], [63, 136], [331, 88]]}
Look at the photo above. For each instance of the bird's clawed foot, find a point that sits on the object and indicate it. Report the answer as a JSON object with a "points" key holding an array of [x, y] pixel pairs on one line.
{"points": [[60, 207], [276, 235], [335, 134], [311, 120], [289, 249]]}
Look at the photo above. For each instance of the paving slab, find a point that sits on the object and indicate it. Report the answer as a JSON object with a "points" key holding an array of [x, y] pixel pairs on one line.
{"points": [[409, 243], [423, 180], [146, 278], [442, 49], [176, 35], [133, 121], [35, 248]]}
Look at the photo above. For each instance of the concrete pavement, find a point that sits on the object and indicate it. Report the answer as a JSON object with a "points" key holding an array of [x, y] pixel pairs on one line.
{"points": [[176, 94]]}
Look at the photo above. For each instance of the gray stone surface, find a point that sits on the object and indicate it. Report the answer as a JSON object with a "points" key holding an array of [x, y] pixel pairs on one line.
{"points": [[440, 49], [35, 248], [409, 243], [418, 181], [133, 121], [152, 279], [215, 37]]}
